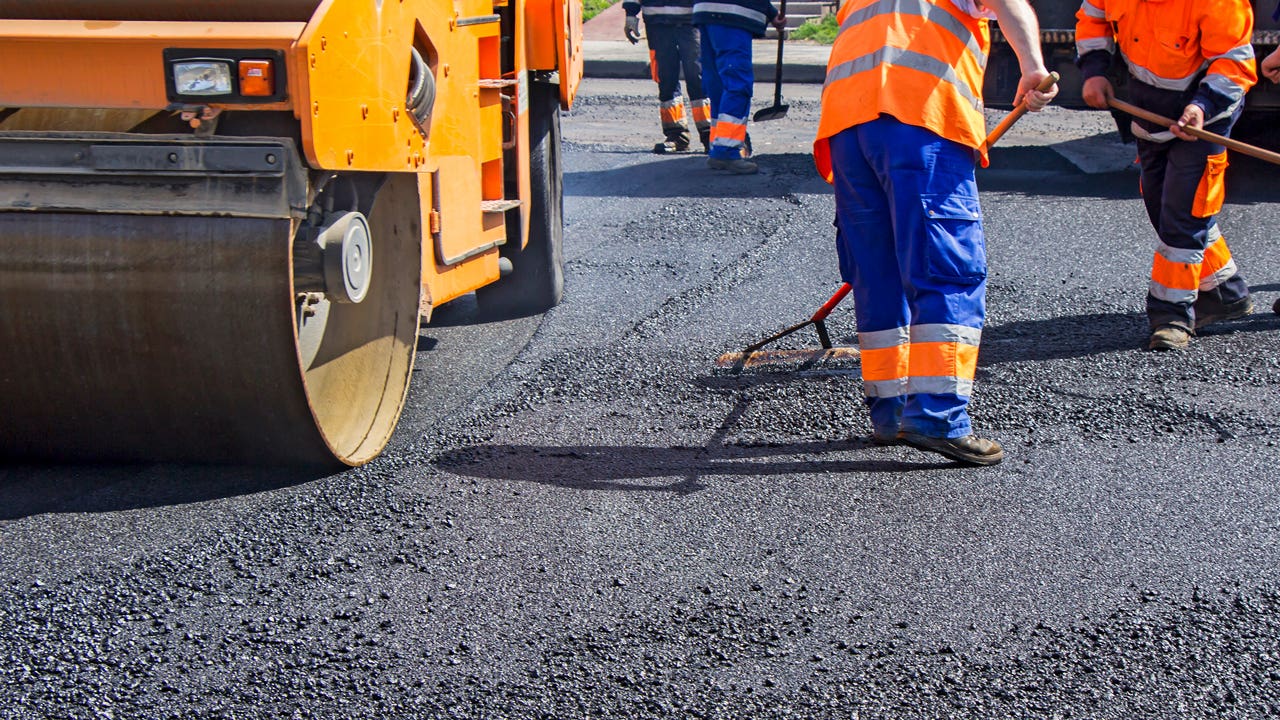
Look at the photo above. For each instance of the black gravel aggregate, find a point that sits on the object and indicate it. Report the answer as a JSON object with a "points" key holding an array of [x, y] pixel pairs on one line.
{"points": [[581, 517]]}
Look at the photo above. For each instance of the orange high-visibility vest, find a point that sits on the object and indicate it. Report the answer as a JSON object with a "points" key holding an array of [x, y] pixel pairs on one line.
{"points": [[1169, 43], [920, 61]]}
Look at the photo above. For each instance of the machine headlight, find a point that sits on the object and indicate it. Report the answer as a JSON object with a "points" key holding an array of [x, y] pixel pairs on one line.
{"points": [[202, 77]]}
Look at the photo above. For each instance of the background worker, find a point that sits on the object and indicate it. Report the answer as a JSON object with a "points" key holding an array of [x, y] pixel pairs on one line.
{"points": [[1193, 60], [900, 130], [727, 28], [673, 44]]}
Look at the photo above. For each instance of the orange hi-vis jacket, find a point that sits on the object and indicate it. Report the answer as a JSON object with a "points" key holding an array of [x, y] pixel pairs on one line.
{"points": [[920, 61], [1168, 43]]}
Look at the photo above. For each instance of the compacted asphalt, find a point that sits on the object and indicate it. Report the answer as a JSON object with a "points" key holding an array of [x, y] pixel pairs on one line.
{"points": [[581, 516]]}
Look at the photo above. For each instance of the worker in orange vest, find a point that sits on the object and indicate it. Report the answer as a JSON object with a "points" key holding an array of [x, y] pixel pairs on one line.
{"points": [[900, 130], [1193, 60]]}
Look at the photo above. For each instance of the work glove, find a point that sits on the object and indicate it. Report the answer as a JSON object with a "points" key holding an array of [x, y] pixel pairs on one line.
{"points": [[633, 28]]}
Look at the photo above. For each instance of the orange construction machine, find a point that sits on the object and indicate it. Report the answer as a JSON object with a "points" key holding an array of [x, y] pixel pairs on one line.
{"points": [[221, 222]]}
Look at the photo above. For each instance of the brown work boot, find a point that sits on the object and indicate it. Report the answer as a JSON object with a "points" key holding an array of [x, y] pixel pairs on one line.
{"points": [[1221, 313], [1169, 337], [968, 449], [737, 166]]}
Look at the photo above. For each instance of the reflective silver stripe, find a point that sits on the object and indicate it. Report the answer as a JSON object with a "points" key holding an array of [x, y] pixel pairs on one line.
{"points": [[885, 388], [881, 339], [667, 11], [926, 10], [727, 9], [1224, 85], [722, 118], [902, 58], [1184, 256], [1239, 53], [677, 101], [1212, 235], [939, 385], [946, 333], [702, 103], [1226, 273], [1088, 45], [1181, 297], [1150, 78], [1163, 136], [1093, 11]]}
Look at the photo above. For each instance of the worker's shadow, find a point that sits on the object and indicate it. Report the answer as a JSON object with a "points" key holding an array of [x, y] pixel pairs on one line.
{"points": [[31, 489], [680, 469]]}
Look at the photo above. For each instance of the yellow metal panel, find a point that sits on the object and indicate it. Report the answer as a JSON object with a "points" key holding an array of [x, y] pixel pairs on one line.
{"points": [[100, 64]]}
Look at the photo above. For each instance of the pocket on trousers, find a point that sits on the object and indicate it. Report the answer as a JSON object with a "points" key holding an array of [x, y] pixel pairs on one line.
{"points": [[955, 251], [1212, 189]]}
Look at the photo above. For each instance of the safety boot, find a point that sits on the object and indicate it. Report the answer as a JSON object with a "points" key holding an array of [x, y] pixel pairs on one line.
{"points": [[1221, 313], [705, 137], [969, 449], [737, 166], [1169, 337], [671, 146]]}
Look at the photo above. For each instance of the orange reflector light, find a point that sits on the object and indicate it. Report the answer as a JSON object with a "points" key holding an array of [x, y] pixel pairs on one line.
{"points": [[257, 78]]}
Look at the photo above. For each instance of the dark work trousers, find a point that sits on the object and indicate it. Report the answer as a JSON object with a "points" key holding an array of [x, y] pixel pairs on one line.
{"points": [[1192, 270], [676, 46]]}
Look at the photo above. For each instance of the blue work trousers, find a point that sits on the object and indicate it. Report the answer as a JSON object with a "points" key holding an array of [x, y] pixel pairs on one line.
{"points": [[909, 239], [727, 78]]}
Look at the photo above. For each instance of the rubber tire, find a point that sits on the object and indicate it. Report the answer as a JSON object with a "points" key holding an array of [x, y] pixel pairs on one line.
{"points": [[536, 282]]}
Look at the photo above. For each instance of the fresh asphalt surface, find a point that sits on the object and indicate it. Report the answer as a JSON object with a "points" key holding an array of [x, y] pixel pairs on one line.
{"points": [[581, 517]]}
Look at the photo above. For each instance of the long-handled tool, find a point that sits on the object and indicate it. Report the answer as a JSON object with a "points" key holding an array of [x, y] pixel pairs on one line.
{"points": [[779, 110], [1240, 147], [1003, 126], [751, 355]]}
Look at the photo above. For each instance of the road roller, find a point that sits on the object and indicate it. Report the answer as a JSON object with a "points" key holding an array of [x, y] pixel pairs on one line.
{"points": [[222, 223]]}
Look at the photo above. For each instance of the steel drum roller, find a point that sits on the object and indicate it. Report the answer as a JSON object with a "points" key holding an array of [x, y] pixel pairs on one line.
{"points": [[180, 337]]}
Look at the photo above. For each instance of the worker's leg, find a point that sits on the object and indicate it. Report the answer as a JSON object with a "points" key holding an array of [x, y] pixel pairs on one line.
{"points": [[732, 52], [1192, 269], [666, 57], [710, 76], [937, 226], [690, 59], [869, 262]]}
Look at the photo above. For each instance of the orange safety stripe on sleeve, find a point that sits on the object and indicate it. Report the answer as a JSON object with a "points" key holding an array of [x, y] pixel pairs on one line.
{"points": [[1175, 275], [884, 363], [943, 359]]}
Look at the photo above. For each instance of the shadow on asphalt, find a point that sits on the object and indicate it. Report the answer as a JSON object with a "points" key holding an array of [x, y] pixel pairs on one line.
{"points": [[626, 467], [27, 490]]}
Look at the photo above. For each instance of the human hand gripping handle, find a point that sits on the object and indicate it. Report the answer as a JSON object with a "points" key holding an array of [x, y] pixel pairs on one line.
{"points": [[1033, 100]]}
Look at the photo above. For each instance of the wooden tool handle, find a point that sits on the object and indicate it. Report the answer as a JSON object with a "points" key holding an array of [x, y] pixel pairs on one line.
{"points": [[1240, 147], [1017, 112]]}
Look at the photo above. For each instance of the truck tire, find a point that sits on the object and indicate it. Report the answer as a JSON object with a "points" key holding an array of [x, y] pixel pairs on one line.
{"points": [[536, 281]]}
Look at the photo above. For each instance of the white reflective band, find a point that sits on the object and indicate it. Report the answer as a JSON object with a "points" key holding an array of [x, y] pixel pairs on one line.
{"points": [[1088, 45], [727, 9], [1227, 272], [731, 120], [1178, 297], [940, 332], [676, 101], [1140, 132], [939, 385], [1093, 11], [1239, 53], [1183, 256], [902, 58], [881, 339], [1223, 85], [667, 11], [885, 388], [702, 103], [1212, 235], [924, 9], [1144, 75]]}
